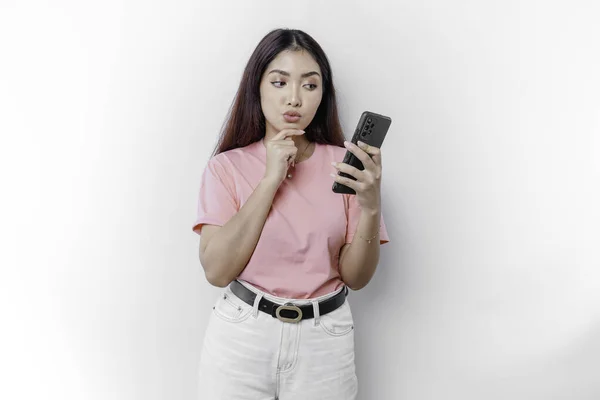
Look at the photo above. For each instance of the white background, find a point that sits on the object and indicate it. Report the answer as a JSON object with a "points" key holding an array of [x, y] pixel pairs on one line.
{"points": [[490, 286]]}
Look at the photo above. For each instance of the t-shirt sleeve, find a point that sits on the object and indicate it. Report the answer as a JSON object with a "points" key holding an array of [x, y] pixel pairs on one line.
{"points": [[353, 214], [217, 201]]}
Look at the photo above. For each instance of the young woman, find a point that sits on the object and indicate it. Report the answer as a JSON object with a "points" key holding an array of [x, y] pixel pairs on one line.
{"points": [[280, 242]]}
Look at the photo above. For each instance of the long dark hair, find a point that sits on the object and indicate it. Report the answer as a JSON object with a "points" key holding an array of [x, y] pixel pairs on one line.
{"points": [[245, 122]]}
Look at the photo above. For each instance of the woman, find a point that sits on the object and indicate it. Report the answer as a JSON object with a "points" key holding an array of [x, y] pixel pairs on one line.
{"points": [[279, 241]]}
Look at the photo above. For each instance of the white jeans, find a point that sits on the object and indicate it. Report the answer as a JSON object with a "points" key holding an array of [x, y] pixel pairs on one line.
{"points": [[248, 354]]}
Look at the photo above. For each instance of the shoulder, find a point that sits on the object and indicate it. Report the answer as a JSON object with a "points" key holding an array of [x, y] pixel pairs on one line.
{"points": [[235, 157]]}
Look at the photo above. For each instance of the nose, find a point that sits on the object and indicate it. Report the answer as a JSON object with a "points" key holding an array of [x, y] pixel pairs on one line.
{"points": [[294, 96]]}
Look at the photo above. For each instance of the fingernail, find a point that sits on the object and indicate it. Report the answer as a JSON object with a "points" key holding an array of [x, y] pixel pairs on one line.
{"points": [[346, 143], [333, 163], [360, 143]]}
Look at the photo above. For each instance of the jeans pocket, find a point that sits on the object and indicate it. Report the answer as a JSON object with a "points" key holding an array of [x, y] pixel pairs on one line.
{"points": [[339, 322], [231, 308]]}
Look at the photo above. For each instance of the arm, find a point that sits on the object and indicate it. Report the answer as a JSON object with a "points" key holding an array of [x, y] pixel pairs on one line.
{"points": [[225, 251], [359, 259]]}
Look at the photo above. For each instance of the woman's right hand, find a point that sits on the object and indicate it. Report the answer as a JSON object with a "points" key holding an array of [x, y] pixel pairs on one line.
{"points": [[281, 153]]}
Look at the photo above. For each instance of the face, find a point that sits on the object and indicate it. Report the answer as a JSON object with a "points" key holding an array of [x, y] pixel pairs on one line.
{"points": [[291, 82]]}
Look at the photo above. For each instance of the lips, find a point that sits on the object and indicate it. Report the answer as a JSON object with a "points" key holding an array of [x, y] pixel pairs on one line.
{"points": [[291, 116]]}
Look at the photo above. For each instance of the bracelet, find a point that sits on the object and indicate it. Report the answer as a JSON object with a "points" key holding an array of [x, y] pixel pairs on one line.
{"points": [[368, 240]]}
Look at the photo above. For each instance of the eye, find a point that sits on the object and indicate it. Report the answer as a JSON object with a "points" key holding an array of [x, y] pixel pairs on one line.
{"points": [[312, 85]]}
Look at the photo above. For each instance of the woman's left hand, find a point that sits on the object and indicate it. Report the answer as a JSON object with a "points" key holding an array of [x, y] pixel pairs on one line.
{"points": [[368, 181]]}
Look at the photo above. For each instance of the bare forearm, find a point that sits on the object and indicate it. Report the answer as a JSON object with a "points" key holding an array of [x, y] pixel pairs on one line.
{"points": [[358, 263], [230, 249]]}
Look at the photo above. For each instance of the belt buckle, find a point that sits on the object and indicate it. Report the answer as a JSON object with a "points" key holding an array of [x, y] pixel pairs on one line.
{"points": [[288, 306]]}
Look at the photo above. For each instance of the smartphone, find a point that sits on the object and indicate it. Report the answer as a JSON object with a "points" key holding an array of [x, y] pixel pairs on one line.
{"points": [[371, 129]]}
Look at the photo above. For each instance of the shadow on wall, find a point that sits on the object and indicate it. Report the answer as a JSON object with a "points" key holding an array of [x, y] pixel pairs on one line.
{"points": [[571, 373]]}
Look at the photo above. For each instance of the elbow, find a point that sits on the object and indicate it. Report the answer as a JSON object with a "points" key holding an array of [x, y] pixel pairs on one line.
{"points": [[355, 287], [218, 272], [218, 282], [211, 272], [215, 276], [355, 283], [216, 279]]}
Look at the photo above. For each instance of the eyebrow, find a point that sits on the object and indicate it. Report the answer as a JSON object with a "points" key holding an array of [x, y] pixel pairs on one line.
{"points": [[279, 71]]}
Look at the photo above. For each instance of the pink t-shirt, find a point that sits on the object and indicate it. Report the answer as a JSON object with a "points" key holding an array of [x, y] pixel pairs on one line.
{"points": [[297, 254]]}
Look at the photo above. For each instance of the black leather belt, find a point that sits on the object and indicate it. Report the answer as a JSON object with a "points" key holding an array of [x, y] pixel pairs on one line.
{"points": [[288, 312]]}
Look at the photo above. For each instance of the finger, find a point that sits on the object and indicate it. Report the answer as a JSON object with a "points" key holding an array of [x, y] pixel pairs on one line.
{"points": [[291, 152], [288, 132], [291, 156], [369, 149], [352, 184], [349, 169], [374, 152], [284, 142], [360, 154]]}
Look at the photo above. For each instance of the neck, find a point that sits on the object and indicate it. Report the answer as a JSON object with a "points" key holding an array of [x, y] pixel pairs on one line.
{"points": [[303, 150]]}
